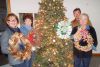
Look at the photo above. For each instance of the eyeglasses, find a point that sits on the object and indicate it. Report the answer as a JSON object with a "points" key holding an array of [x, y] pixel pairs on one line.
{"points": [[11, 20]]}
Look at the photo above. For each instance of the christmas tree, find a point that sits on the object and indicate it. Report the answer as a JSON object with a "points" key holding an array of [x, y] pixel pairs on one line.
{"points": [[54, 51]]}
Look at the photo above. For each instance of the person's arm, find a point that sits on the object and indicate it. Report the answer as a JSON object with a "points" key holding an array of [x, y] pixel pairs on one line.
{"points": [[94, 35], [74, 30], [4, 42], [23, 30]]}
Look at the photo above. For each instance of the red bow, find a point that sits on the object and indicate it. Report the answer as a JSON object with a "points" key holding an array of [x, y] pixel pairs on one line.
{"points": [[31, 37]]}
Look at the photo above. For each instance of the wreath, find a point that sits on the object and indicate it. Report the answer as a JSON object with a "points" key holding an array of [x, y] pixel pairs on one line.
{"points": [[85, 37], [63, 29], [14, 46]]}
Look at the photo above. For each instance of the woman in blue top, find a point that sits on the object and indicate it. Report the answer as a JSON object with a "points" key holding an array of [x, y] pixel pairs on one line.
{"points": [[25, 29], [27, 26]]}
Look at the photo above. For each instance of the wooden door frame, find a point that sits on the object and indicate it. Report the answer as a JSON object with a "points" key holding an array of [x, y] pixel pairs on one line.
{"points": [[8, 6]]}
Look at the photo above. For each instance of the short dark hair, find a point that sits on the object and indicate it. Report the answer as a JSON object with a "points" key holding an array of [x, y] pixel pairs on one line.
{"points": [[77, 9], [28, 16], [12, 14]]}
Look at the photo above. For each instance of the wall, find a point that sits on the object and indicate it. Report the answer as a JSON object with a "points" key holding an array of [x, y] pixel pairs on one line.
{"points": [[88, 6]]}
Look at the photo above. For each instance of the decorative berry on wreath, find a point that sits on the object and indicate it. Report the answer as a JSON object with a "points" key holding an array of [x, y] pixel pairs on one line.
{"points": [[15, 41], [83, 36], [64, 29]]}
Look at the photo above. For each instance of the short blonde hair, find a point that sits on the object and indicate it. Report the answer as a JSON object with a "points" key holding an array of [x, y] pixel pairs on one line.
{"points": [[88, 21]]}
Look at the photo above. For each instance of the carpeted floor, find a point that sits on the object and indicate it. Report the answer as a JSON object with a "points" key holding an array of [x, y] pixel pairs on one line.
{"points": [[95, 62], [3, 59], [7, 65]]}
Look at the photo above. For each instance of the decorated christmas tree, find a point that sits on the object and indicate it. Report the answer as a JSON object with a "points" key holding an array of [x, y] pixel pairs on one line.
{"points": [[54, 50]]}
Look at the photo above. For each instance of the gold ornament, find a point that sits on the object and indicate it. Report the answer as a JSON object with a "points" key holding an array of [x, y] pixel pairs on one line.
{"points": [[54, 0], [50, 4], [54, 40]]}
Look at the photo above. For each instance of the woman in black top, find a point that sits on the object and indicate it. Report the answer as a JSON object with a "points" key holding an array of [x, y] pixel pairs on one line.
{"points": [[82, 56]]}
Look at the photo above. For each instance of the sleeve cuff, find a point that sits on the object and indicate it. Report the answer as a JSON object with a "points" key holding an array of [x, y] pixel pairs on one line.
{"points": [[93, 48]]}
